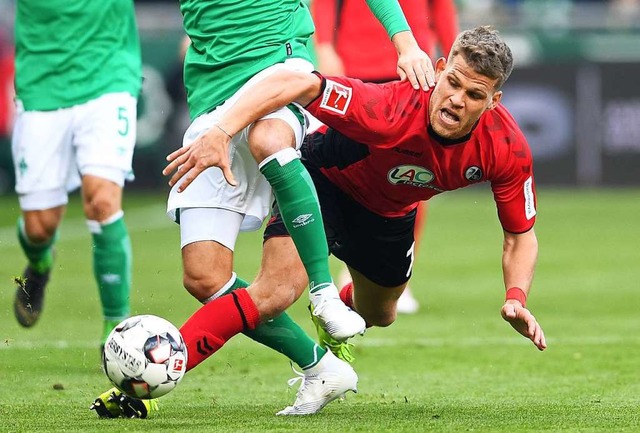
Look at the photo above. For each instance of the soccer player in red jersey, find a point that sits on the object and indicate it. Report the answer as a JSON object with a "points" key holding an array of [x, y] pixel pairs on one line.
{"points": [[387, 147], [343, 47]]}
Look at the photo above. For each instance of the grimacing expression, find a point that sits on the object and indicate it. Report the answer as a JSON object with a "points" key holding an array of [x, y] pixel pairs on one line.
{"points": [[460, 96]]}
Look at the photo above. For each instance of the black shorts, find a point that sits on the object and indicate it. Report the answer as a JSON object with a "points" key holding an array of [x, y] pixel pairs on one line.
{"points": [[379, 248]]}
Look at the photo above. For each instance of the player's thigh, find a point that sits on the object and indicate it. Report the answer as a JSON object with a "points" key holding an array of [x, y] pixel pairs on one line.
{"points": [[379, 248], [43, 157], [375, 303], [105, 136], [281, 279]]}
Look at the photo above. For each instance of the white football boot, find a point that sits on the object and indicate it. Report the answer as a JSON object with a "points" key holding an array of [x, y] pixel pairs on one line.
{"points": [[340, 321], [330, 379]]}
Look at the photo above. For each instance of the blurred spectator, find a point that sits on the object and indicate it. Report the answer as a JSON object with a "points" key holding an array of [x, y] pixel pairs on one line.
{"points": [[6, 107], [6, 84], [174, 83], [624, 13], [350, 41]]}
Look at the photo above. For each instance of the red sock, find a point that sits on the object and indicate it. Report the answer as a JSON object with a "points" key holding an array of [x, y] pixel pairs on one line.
{"points": [[209, 328], [346, 294]]}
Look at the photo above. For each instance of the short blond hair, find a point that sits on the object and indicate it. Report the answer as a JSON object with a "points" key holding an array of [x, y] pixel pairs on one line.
{"points": [[484, 50]]}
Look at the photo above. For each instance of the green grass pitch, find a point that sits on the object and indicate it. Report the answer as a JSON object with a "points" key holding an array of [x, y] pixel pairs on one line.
{"points": [[454, 367]]}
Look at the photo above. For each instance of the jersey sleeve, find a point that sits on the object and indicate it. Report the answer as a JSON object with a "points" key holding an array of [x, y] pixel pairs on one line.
{"points": [[390, 15], [514, 187], [366, 112]]}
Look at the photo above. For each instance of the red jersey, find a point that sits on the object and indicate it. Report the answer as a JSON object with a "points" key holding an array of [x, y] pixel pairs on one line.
{"points": [[401, 161], [362, 42]]}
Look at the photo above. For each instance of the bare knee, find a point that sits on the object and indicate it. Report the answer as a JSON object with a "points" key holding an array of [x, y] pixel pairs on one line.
{"points": [[268, 137], [203, 286], [208, 267], [380, 318], [41, 226], [101, 198], [100, 207], [39, 233]]}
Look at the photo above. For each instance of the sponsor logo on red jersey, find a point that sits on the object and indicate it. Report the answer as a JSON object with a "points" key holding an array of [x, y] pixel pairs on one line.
{"points": [[413, 175], [336, 97]]}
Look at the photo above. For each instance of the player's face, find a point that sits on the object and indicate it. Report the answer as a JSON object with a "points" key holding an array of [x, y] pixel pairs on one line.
{"points": [[460, 96]]}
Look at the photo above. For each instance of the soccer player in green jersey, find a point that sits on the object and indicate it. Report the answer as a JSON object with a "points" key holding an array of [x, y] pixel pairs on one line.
{"points": [[233, 47], [78, 75], [220, 65]]}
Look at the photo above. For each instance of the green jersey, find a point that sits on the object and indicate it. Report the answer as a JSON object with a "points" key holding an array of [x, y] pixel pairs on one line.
{"points": [[231, 41], [71, 51]]}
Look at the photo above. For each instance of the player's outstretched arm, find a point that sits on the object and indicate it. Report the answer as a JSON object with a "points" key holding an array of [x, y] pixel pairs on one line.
{"points": [[211, 149], [519, 256]]}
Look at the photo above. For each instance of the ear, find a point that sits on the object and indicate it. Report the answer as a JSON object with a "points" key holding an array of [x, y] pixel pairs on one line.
{"points": [[495, 100], [441, 65]]}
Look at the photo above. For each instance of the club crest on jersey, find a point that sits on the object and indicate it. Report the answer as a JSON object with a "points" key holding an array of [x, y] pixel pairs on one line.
{"points": [[412, 175], [473, 173], [336, 97]]}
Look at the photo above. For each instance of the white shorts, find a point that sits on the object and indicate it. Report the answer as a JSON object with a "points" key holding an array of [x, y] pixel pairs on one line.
{"points": [[53, 149], [252, 197], [196, 225]]}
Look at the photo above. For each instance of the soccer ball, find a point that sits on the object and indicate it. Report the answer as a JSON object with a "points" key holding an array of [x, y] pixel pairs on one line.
{"points": [[145, 356]]}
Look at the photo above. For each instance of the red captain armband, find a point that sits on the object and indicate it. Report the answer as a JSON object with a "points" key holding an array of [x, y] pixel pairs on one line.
{"points": [[517, 294]]}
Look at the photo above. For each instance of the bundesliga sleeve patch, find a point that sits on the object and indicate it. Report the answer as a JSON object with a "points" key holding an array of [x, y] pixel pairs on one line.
{"points": [[336, 97]]}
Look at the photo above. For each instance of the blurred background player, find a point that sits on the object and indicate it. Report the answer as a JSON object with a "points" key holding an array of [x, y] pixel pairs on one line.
{"points": [[350, 41], [75, 127]]}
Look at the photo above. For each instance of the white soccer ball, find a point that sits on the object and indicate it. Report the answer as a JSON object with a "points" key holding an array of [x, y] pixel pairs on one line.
{"points": [[145, 356]]}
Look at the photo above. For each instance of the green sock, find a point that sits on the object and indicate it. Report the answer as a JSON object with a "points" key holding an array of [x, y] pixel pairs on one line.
{"points": [[40, 256], [112, 266], [298, 204], [285, 336]]}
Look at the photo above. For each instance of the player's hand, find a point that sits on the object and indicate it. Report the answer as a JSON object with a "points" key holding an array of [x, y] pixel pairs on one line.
{"points": [[210, 149], [413, 63], [524, 322]]}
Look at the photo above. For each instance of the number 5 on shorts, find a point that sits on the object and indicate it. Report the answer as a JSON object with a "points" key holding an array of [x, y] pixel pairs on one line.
{"points": [[124, 121]]}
